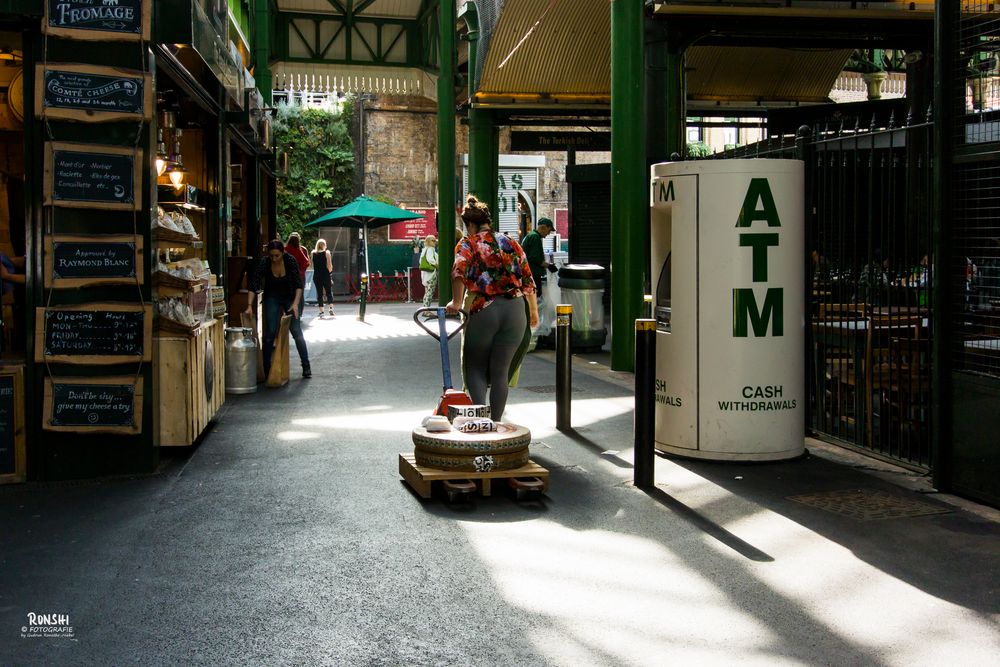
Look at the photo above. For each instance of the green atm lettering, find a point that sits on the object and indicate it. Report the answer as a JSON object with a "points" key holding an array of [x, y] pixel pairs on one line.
{"points": [[745, 308], [758, 204], [760, 243], [759, 191]]}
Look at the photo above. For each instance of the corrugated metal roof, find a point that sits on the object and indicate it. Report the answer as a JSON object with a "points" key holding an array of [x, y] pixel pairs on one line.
{"points": [[545, 47], [769, 74]]}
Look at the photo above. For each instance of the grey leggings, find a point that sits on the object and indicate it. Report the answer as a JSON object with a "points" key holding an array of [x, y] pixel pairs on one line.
{"points": [[491, 340]]}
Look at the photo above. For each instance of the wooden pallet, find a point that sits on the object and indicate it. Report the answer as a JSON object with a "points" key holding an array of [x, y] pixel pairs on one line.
{"points": [[421, 479]]}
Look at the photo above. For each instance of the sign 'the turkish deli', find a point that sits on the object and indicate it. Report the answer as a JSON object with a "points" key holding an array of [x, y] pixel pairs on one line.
{"points": [[90, 93], [115, 20], [86, 176]]}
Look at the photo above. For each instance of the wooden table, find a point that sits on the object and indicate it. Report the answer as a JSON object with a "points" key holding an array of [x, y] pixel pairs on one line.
{"points": [[856, 335]]}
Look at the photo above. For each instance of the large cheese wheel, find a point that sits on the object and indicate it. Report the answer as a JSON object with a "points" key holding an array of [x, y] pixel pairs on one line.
{"points": [[507, 438], [475, 463], [15, 96]]}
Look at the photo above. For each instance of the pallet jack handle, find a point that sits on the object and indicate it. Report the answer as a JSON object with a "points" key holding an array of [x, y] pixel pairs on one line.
{"points": [[442, 336], [441, 319]]}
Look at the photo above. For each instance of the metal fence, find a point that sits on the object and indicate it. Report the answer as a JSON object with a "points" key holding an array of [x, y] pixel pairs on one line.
{"points": [[975, 191], [870, 260]]}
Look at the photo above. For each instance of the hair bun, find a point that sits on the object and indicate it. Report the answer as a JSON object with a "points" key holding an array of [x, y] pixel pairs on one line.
{"points": [[471, 200]]}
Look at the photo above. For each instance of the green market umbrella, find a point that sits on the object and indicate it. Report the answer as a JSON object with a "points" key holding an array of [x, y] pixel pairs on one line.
{"points": [[363, 213]]}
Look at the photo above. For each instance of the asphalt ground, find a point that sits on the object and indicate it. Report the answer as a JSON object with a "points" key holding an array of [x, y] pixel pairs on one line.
{"points": [[286, 537]]}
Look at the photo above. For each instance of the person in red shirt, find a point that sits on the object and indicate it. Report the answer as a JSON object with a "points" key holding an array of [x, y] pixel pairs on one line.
{"points": [[294, 248]]}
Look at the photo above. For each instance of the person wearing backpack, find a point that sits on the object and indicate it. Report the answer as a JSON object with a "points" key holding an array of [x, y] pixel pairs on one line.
{"points": [[428, 268]]}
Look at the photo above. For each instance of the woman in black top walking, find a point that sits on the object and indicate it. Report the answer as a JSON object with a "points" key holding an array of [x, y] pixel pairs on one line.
{"points": [[278, 276], [323, 275]]}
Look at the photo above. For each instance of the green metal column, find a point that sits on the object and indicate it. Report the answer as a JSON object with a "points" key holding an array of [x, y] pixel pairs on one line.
{"points": [[446, 145], [483, 141], [629, 199], [262, 50], [482, 156], [665, 93]]}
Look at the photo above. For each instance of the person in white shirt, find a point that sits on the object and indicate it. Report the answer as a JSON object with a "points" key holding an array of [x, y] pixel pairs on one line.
{"points": [[428, 268]]}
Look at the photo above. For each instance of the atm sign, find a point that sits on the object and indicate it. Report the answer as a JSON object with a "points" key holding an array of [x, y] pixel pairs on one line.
{"points": [[758, 206]]}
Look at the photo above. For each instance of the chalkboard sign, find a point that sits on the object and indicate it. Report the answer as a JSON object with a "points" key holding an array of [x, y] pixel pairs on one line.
{"points": [[98, 19], [95, 333], [76, 261], [83, 176], [94, 94], [110, 405], [12, 461], [8, 452]]}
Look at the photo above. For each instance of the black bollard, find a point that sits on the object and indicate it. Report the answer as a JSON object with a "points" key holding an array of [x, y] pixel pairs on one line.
{"points": [[645, 374], [564, 375], [364, 297]]}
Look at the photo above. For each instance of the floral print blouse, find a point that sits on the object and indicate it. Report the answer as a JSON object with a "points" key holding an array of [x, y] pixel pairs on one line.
{"points": [[492, 265]]}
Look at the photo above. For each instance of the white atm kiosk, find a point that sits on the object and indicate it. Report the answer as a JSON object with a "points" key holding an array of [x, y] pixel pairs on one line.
{"points": [[728, 259]]}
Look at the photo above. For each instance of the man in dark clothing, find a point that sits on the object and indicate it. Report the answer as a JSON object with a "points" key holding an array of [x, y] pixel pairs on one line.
{"points": [[532, 246]]}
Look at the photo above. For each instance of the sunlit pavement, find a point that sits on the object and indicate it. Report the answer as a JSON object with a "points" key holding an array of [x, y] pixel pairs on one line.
{"points": [[287, 537]]}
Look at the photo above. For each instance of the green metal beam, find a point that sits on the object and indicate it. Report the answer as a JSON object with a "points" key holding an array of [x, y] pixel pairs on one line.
{"points": [[446, 145], [262, 50], [629, 205], [292, 24]]}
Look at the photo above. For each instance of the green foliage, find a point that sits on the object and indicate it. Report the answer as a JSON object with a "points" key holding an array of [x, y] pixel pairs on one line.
{"points": [[697, 149], [320, 165]]}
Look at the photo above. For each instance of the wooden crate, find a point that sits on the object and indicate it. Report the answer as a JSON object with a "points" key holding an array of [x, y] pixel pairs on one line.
{"points": [[185, 407], [421, 479]]}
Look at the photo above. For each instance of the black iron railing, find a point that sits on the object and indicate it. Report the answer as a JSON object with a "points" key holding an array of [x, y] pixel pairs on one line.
{"points": [[869, 263]]}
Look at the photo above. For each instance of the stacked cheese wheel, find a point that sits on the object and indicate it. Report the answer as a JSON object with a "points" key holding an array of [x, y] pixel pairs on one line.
{"points": [[503, 449]]}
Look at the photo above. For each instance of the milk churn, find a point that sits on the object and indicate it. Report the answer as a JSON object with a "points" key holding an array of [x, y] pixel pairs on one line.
{"points": [[241, 361]]}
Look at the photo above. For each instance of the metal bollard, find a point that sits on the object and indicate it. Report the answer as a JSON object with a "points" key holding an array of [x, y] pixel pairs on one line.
{"points": [[363, 302], [645, 377], [564, 375]]}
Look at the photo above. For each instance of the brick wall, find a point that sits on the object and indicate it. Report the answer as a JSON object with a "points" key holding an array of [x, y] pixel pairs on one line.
{"points": [[401, 157]]}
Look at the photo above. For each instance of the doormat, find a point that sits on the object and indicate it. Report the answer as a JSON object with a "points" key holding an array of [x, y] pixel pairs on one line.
{"points": [[869, 504]]}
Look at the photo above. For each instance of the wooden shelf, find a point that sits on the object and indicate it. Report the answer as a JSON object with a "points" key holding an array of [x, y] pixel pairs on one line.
{"points": [[167, 238]]}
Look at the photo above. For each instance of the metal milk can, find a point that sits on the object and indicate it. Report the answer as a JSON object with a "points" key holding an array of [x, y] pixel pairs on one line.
{"points": [[241, 361]]}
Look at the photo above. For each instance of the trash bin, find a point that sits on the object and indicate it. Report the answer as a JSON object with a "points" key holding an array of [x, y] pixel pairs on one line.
{"points": [[241, 361], [582, 286]]}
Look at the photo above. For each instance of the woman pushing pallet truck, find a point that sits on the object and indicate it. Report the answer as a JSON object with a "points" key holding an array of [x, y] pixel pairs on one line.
{"points": [[493, 268], [459, 442]]}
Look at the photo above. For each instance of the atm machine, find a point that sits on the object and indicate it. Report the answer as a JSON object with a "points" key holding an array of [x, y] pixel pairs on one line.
{"points": [[728, 258]]}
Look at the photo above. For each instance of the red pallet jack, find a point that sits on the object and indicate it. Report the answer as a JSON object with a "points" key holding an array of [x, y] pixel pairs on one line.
{"points": [[449, 395]]}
